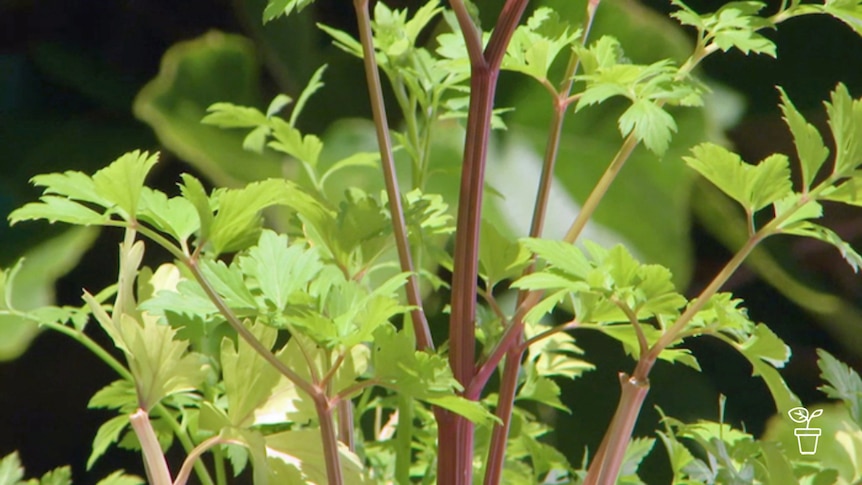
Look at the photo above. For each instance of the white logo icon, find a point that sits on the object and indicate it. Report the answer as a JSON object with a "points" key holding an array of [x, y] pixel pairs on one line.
{"points": [[806, 437]]}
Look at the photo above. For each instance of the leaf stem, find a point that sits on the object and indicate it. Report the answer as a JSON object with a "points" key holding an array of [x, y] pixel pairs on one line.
{"points": [[154, 460], [399, 226], [245, 334], [330, 439], [192, 458], [561, 103], [404, 439], [104, 356], [455, 465], [601, 188], [505, 405], [643, 345]]}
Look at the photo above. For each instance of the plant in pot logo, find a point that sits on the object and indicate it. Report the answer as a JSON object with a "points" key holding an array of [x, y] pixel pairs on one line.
{"points": [[806, 437]]}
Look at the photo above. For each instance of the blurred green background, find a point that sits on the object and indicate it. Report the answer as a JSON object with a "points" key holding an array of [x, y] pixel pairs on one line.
{"points": [[73, 96]]}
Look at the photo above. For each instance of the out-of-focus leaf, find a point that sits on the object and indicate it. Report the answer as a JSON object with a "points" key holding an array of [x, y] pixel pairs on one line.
{"points": [[215, 67], [33, 285]]}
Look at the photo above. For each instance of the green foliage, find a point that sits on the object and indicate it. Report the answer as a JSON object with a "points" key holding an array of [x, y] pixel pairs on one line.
{"points": [[842, 382], [753, 186], [259, 343], [536, 45], [648, 87], [734, 25], [12, 473]]}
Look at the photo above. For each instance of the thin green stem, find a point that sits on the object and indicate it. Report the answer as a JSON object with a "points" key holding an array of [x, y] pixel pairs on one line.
{"points": [[324, 382], [643, 345], [548, 333], [220, 466], [399, 226], [82, 339], [185, 441], [404, 439], [246, 334], [601, 188], [345, 393], [562, 101]]}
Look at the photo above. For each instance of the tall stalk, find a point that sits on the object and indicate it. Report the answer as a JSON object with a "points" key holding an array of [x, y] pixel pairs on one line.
{"points": [[399, 226], [515, 353], [455, 436]]}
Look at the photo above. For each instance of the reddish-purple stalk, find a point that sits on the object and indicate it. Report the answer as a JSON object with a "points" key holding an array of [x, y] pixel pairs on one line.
{"points": [[455, 433], [399, 226], [515, 352]]}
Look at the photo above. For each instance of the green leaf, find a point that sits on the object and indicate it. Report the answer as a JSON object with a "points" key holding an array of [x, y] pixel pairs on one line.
{"points": [[276, 8], [237, 223], [753, 186], [193, 191], [735, 24], [541, 389], [291, 141], [176, 216], [248, 377], [847, 11], [107, 434], [848, 192], [57, 209], [228, 282], [31, 287], [636, 451], [121, 182], [71, 184], [161, 365], [314, 84], [472, 410], [809, 229], [554, 355], [366, 159], [561, 255], [419, 374], [797, 213], [765, 345], [845, 119], [11, 471], [650, 123], [57, 476], [304, 449], [500, 258], [119, 477], [229, 115], [783, 397], [841, 382], [119, 395], [534, 46], [278, 268], [809, 144]]}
